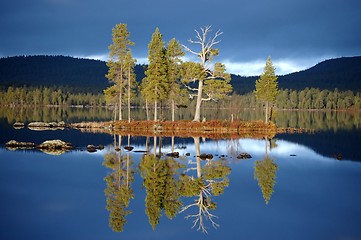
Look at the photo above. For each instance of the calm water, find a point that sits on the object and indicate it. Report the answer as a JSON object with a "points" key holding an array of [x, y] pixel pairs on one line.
{"points": [[291, 188]]}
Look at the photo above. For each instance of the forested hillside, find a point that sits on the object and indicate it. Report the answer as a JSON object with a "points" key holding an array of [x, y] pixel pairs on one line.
{"points": [[68, 73], [85, 75], [341, 73]]}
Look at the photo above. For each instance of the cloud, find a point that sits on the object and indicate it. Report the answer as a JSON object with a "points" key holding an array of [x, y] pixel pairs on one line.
{"points": [[288, 31]]}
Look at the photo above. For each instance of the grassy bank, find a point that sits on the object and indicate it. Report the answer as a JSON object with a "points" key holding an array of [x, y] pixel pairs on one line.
{"points": [[209, 129]]}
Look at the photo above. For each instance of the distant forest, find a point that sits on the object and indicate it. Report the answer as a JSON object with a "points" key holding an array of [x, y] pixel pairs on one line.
{"points": [[309, 98], [60, 80], [85, 75]]}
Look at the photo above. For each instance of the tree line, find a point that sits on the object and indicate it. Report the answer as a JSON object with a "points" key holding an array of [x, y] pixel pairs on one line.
{"points": [[46, 96], [308, 98]]}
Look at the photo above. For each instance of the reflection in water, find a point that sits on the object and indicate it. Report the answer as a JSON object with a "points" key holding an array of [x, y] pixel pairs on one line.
{"points": [[317, 120], [164, 184], [265, 173], [118, 191], [168, 182], [211, 180], [161, 184]]}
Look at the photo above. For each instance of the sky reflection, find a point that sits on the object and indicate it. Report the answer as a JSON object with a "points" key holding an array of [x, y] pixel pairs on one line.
{"points": [[315, 196]]}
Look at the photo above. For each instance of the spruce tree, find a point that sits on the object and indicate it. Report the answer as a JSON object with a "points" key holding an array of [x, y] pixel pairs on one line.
{"points": [[267, 86]]}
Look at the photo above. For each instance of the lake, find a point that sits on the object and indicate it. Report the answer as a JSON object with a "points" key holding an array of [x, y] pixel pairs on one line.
{"points": [[292, 187]]}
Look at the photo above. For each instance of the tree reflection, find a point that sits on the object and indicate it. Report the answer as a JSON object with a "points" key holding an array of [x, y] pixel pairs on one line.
{"points": [[161, 184], [118, 190], [265, 173], [211, 180]]}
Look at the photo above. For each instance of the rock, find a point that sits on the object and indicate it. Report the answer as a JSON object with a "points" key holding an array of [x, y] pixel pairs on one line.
{"points": [[128, 148], [91, 148], [38, 126], [13, 145], [173, 154], [204, 156], [244, 156], [55, 144], [18, 125], [188, 154], [100, 147]]}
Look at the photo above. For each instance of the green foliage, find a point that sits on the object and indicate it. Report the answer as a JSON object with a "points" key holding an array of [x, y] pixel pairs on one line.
{"points": [[118, 191], [173, 54], [189, 186], [216, 170], [265, 174], [218, 86], [26, 96], [120, 63], [266, 85], [156, 85], [161, 187], [192, 72]]}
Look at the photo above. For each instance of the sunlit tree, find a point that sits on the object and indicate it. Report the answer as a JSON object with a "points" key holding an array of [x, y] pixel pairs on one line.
{"points": [[211, 84], [118, 51], [267, 87], [155, 86]]}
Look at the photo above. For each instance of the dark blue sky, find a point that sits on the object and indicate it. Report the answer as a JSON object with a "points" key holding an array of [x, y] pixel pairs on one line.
{"points": [[296, 34]]}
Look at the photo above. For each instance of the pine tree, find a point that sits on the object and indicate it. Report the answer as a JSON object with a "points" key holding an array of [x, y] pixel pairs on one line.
{"points": [[117, 54], [267, 86], [156, 85], [130, 79], [174, 52]]}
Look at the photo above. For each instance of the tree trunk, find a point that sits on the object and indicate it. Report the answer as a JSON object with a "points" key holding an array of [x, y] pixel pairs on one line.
{"points": [[155, 146], [147, 109], [120, 106], [115, 112], [266, 112], [129, 104], [155, 110], [129, 76], [172, 144], [198, 152], [197, 115], [173, 110]]}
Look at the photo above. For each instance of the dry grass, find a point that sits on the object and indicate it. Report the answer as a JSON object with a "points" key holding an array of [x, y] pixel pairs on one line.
{"points": [[214, 129]]}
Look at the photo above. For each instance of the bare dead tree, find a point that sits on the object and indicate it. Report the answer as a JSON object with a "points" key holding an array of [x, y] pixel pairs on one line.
{"points": [[206, 54], [203, 214]]}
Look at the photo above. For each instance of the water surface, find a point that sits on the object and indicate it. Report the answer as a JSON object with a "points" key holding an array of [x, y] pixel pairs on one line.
{"points": [[293, 187]]}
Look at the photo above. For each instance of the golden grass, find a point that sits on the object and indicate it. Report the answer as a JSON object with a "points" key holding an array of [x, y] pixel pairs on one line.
{"points": [[214, 129]]}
